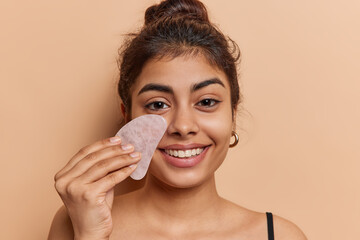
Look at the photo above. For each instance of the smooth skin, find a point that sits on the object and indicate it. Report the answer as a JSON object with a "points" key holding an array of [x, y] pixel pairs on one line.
{"points": [[175, 203]]}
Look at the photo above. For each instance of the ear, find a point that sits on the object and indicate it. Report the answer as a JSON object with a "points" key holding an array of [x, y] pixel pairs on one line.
{"points": [[233, 127], [234, 113], [123, 112]]}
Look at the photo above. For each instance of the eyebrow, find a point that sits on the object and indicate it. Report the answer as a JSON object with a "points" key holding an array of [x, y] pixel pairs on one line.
{"points": [[168, 89], [156, 87], [205, 83]]}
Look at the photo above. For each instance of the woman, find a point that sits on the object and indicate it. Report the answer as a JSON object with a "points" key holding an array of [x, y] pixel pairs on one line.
{"points": [[183, 68]]}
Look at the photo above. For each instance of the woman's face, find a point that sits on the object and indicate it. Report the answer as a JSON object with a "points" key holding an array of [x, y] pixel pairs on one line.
{"points": [[194, 98]]}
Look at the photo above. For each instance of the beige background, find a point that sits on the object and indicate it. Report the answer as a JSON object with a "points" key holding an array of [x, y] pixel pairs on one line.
{"points": [[300, 149]]}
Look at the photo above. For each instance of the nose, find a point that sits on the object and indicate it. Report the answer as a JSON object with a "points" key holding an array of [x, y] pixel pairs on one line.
{"points": [[183, 123]]}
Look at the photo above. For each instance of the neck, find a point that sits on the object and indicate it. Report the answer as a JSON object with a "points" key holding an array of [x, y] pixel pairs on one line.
{"points": [[180, 204]]}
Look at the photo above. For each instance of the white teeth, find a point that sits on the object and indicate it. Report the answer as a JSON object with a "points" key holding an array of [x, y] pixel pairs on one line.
{"points": [[181, 154], [193, 152], [184, 154]]}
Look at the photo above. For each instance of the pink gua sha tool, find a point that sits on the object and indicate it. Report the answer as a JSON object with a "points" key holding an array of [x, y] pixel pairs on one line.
{"points": [[144, 133]]}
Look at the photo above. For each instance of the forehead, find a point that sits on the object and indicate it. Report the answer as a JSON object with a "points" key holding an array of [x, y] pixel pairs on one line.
{"points": [[179, 72]]}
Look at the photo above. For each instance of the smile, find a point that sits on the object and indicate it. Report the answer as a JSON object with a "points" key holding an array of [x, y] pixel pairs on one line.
{"points": [[184, 153], [184, 156]]}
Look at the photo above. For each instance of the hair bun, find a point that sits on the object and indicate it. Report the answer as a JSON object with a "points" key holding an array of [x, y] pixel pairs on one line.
{"points": [[192, 9]]}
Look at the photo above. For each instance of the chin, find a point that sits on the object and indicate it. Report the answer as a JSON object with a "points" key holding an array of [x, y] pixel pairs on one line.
{"points": [[178, 180]]}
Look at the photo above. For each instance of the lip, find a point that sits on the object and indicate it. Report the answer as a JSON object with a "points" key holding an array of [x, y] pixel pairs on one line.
{"points": [[184, 147], [184, 162]]}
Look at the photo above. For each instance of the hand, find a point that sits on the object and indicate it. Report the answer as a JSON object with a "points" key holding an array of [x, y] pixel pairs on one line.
{"points": [[86, 185]]}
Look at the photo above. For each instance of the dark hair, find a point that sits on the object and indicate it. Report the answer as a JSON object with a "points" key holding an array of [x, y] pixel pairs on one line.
{"points": [[175, 28]]}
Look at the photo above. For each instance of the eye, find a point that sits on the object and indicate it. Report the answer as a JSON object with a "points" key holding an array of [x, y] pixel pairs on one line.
{"points": [[156, 106], [208, 102]]}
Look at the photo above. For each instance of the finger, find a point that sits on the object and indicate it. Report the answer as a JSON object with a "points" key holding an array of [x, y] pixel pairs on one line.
{"points": [[86, 151], [109, 182], [107, 166], [93, 158], [83, 165]]}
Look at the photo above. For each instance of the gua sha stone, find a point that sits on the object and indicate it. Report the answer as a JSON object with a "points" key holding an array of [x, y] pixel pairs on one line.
{"points": [[144, 133]]}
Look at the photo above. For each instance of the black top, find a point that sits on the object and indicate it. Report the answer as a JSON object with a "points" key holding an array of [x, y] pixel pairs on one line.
{"points": [[270, 226]]}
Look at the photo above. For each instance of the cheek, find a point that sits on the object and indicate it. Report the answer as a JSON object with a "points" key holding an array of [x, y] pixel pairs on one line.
{"points": [[218, 127], [136, 109]]}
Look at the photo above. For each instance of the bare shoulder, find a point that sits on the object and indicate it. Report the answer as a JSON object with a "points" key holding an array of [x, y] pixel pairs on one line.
{"points": [[61, 227], [285, 229], [250, 224]]}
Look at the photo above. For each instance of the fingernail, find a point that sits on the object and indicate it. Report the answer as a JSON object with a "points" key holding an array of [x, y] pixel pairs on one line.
{"points": [[115, 140], [134, 154], [126, 147], [132, 166]]}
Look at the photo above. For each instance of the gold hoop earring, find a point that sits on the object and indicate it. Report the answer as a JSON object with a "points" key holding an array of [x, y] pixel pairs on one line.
{"points": [[236, 136]]}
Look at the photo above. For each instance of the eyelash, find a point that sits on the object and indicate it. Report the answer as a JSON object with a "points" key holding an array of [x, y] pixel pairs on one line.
{"points": [[213, 102], [203, 103], [151, 106]]}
